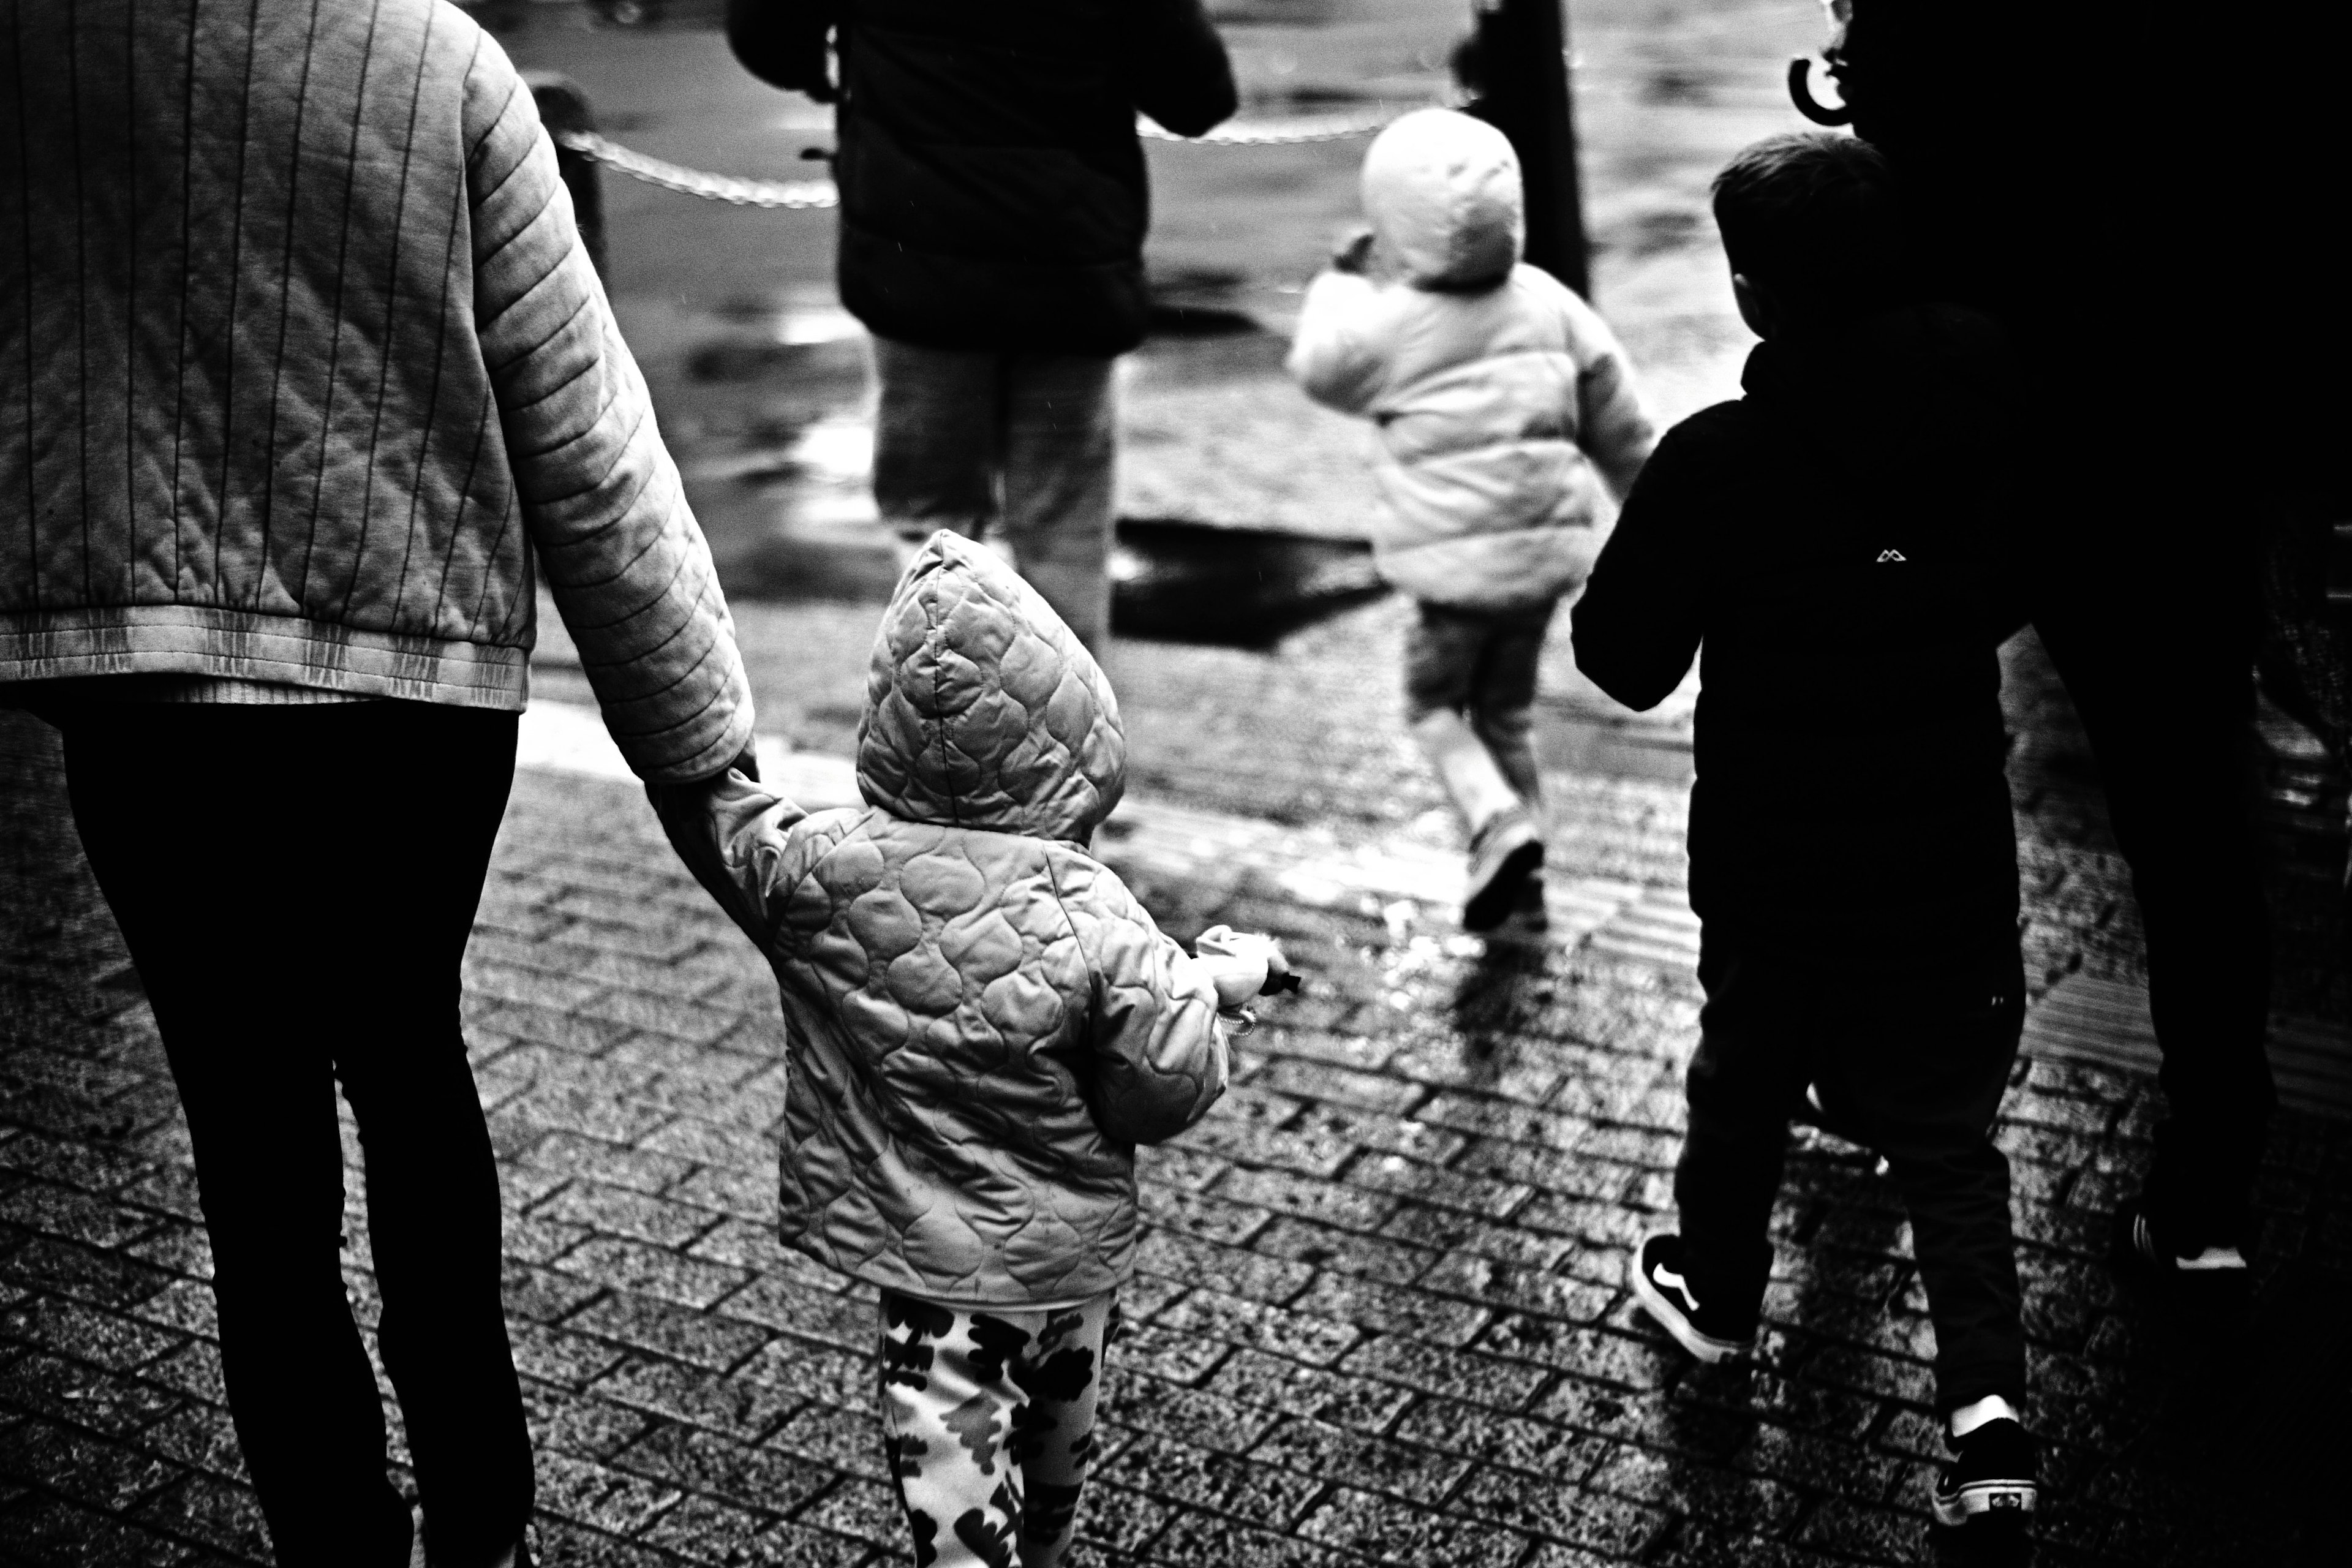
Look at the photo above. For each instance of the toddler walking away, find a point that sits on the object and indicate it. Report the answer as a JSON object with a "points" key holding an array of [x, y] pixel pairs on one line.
{"points": [[1835, 542], [982, 1024], [1506, 408]]}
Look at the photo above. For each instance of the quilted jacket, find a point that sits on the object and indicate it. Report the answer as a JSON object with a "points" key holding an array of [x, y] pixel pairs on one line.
{"points": [[1504, 403], [308, 374], [981, 1021]]}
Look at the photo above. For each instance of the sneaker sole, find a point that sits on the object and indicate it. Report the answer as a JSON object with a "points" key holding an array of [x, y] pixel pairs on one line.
{"points": [[1492, 904], [1980, 1499], [1667, 1316]]}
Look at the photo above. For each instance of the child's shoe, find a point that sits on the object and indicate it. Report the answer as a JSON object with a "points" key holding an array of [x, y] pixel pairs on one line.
{"points": [[1503, 855], [2140, 1244], [1995, 1475], [1666, 1295]]}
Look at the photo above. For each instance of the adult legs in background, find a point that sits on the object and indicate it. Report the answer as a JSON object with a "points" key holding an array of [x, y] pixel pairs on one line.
{"points": [[2167, 700], [965, 437], [1061, 447], [299, 914], [988, 1416]]}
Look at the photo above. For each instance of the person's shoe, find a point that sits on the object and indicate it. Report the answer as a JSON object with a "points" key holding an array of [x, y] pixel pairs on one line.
{"points": [[2140, 1242], [1503, 855], [1994, 1474], [1659, 1285]]}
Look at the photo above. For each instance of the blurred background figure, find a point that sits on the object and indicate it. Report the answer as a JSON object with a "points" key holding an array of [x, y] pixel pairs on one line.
{"points": [[993, 205]]}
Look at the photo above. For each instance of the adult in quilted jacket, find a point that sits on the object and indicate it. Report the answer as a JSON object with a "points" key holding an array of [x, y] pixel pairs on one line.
{"points": [[982, 1024], [1508, 424], [309, 383]]}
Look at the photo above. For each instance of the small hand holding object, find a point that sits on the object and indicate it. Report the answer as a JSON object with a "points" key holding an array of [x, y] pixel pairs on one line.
{"points": [[1243, 964]]}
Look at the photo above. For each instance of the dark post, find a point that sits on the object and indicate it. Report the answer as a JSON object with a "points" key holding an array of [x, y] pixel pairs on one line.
{"points": [[563, 107], [1523, 57]]}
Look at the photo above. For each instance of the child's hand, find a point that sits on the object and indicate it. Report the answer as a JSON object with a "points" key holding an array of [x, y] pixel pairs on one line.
{"points": [[1241, 964], [1354, 253]]}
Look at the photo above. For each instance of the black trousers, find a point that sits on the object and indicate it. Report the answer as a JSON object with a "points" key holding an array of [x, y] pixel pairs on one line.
{"points": [[296, 886], [1915, 1069], [2163, 678]]}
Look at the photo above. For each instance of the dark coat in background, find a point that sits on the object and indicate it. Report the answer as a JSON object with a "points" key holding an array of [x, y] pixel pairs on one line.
{"points": [[992, 193]]}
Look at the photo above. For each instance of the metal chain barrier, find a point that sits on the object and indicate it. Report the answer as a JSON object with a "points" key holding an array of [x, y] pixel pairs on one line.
{"points": [[800, 195]]}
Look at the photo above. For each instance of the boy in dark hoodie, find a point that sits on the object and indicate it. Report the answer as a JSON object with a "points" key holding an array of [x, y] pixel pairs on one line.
{"points": [[1834, 540]]}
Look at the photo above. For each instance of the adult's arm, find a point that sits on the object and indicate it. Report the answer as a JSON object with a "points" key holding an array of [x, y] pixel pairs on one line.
{"points": [[620, 550], [782, 42], [1174, 64], [1637, 629]]}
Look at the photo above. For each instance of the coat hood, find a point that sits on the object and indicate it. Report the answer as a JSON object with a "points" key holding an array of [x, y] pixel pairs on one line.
{"points": [[1442, 193], [983, 709]]}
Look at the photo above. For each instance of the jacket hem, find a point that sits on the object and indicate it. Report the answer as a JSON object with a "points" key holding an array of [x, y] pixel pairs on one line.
{"points": [[244, 645]]}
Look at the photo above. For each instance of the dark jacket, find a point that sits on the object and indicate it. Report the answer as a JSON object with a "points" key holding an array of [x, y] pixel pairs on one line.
{"points": [[993, 191], [1837, 541]]}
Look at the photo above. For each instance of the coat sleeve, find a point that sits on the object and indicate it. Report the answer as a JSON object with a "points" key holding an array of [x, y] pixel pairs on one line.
{"points": [[1331, 356], [782, 42], [1637, 627], [599, 495], [1158, 1053], [1613, 422], [1174, 64]]}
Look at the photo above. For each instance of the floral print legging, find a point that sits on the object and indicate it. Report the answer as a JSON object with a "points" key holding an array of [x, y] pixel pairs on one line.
{"points": [[988, 1420]]}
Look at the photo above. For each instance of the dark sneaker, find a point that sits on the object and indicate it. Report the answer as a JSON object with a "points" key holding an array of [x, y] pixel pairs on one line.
{"points": [[1503, 855], [1666, 1295], [2141, 1243], [1995, 1475]]}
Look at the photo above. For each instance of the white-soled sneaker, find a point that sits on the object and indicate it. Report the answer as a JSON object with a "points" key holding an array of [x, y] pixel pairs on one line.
{"points": [[1665, 1294], [2138, 1242], [1994, 1476]]}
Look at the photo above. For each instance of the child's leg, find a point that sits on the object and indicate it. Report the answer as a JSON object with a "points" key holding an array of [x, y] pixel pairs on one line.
{"points": [[1505, 698], [947, 1412], [1925, 1093], [1753, 1059], [1442, 653], [1061, 1374]]}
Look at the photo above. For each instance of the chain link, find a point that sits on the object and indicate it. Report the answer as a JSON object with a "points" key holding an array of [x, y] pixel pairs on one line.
{"points": [[800, 196]]}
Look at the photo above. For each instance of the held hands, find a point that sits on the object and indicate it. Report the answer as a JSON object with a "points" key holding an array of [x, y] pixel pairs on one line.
{"points": [[1243, 964]]}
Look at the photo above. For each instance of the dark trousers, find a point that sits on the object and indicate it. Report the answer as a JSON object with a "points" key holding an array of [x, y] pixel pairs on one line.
{"points": [[296, 886], [1916, 1072], [2164, 682]]}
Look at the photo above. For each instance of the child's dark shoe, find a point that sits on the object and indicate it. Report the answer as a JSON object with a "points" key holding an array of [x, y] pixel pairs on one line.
{"points": [[2143, 1244], [1994, 1476], [1665, 1294], [1503, 855]]}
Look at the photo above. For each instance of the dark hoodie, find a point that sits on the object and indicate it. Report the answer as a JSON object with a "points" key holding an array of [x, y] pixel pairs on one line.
{"points": [[1837, 541]]}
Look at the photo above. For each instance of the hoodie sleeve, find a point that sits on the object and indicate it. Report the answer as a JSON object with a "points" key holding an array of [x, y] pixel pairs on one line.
{"points": [[1175, 65], [1331, 356], [1637, 627], [1613, 424], [1157, 1050]]}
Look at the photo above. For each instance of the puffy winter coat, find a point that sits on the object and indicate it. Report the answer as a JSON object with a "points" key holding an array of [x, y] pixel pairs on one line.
{"points": [[992, 194], [983, 1022], [1504, 403]]}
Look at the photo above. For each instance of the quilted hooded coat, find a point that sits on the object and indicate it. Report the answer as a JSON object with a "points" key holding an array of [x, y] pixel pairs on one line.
{"points": [[981, 1021], [1504, 403]]}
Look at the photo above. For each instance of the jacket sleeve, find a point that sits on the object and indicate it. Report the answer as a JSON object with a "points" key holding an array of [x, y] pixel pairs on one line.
{"points": [[599, 495], [1159, 1054], [1174, 64], [782, 42], [1637, 627], [1331, 356], [1613, 423]]}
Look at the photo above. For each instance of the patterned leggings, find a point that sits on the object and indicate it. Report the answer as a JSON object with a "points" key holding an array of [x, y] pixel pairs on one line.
{"points": [[988, 1420]]}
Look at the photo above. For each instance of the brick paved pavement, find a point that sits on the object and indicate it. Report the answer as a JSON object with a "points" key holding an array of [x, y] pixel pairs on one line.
{"points": [[1379, 1320]]}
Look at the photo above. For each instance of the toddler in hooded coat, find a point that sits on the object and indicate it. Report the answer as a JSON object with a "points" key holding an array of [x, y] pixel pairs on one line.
{"points": [[982, 1024], [1505, 408]]}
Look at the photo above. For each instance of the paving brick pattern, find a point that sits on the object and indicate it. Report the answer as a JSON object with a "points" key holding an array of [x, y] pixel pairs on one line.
{"points": [[1379, 1316]]}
